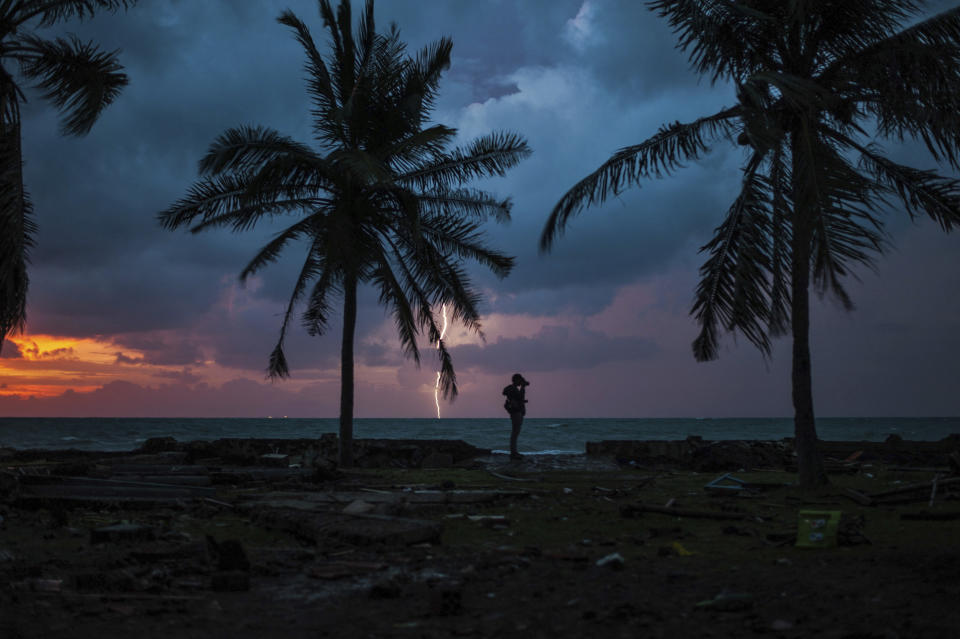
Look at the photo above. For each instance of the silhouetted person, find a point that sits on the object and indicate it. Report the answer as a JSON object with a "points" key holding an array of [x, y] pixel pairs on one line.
{"points": [[516, 405]]}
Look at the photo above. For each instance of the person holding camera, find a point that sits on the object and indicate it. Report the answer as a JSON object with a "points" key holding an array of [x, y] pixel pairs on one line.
{"points": [[516, 405]]}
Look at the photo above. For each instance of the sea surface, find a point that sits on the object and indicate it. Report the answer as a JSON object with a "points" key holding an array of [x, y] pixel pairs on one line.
{"points": [[539, 435]]}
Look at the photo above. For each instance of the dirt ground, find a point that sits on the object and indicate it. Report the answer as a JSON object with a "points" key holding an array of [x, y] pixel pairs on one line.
{"points": [[563, 549]]}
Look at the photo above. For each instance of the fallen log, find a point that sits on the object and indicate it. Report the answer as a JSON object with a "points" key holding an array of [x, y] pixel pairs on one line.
{"points": [[635, 509]]}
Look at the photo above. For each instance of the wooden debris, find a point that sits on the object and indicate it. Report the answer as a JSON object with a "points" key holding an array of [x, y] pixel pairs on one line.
{"points": [[929, 516], [635, 509], [508, 477], [361, 530], [911, 488], [857, 496]]}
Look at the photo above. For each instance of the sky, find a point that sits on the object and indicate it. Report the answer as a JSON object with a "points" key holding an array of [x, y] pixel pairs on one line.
{"points": [[127, 319]]}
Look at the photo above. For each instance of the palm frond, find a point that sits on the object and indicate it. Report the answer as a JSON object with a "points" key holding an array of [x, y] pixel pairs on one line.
{"points": [[270, 252], [919, 190], [277, 366], [247, 148], [486, 156], [53, 11], [659, 155], [725, 39], [837, 199], [319, 84], [393, 296], [910, 82], [733, 293], [474, 204], [77, 77], [17, 232]]}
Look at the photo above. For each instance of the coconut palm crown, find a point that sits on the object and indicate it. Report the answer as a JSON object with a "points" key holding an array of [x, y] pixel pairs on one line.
{"points": [[80, 80], [818, 82], [378, 199]]}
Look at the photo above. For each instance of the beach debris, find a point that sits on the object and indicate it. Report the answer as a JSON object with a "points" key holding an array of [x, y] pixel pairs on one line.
{"points": [[633, 510], [929, 516], [338, 569], [818, 528], [508, 477], [38, 585], [727, 602], [361, 529], [725, 483], [358, 507], [614, 561], [490, 521], [6, 555], [920, 488], [568, 491], [122, 532], [953, 459], [850, 531], [857, 496], [276, 460]]}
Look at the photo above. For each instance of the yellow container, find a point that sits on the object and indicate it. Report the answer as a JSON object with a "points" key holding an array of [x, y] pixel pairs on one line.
{"points": [[818, 528]]}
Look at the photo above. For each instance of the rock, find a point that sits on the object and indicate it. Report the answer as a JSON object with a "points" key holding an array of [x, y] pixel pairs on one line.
{"points": [[358, 507], [159, 444]]}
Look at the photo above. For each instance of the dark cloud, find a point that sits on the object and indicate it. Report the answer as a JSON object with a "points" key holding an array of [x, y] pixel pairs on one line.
{"points": [[9, 350], [580, 79], [553, 348]]}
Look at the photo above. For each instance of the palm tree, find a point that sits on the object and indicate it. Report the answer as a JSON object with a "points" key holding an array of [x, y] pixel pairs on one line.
{"points": [[75, 76], [817, 82], [381, 201]]}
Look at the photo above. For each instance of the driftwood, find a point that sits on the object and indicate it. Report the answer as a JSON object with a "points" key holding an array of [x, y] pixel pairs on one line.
{"points": [[634, 509]]}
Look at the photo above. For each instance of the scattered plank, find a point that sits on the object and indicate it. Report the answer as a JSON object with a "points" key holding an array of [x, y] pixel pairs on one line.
{"points": [[858, 497], [910, 488], [928, 516], [508, 477], [635, 509]]}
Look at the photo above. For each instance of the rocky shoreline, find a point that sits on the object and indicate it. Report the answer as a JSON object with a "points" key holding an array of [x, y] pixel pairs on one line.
{"points": [[693, 453]]}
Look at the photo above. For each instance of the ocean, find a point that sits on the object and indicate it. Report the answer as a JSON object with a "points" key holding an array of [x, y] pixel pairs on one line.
{"points": [[539, 435]]}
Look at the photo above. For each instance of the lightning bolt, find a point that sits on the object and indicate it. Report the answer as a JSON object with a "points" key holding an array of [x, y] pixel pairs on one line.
{"points": [[443, 331]]}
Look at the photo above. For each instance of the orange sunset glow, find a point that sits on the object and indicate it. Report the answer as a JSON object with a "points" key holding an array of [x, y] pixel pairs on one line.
{"points": [[48, 365]]}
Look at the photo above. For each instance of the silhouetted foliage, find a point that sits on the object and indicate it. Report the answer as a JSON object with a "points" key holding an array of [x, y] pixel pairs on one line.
{"points": [[382, 201], [816, 80], [75, 76]]}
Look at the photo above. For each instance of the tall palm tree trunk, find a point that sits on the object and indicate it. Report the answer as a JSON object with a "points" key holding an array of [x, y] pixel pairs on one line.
{"points": [[809, 463], [346, 369]]}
